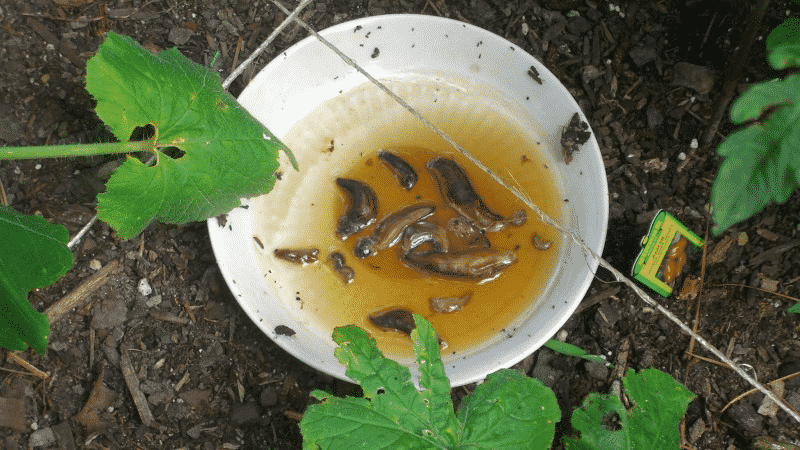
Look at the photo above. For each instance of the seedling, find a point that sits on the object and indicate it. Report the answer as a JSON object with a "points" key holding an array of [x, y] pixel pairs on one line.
{"points": [[762, 161], [219, 154], [507, 411]]}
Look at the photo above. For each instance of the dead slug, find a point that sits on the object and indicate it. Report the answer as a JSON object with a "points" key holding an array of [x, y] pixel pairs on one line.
{"points": [[458, 192], [402, 170], [302, 256], [420, 233], [472, 264], [341, 267], [398, 319], [449, 304], [362, 207], [390, 229]]}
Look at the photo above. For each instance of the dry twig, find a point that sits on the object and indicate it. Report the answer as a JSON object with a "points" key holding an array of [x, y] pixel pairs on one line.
{"points": [[132, 381], [81, 294], [752, 391], [15, 358]]}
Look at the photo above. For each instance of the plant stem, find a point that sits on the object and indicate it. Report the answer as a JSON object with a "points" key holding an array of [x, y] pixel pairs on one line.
{"points": [[60, 151]]}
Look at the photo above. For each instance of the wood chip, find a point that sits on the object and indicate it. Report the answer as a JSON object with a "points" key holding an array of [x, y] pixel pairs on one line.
{"points": [[81, 295], [621, 359], [100, 398], [720, 252], [196, 398], [768, 235], [133, 387], [769, 285], [72, 3], [183, 381], [775, 253], [167, 317]]}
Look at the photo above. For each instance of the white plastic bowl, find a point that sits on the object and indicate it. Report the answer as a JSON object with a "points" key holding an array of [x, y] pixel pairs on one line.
{"points": [[467, 57]]}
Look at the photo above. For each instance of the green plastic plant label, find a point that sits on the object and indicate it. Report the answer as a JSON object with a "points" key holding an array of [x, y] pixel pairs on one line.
{"points": [[665, 250]]}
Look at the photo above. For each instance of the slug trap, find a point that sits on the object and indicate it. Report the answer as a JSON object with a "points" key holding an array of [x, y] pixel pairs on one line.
{"points": [[666, 250]]}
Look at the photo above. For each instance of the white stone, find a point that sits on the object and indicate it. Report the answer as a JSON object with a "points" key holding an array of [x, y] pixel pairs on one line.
{"points": [[153, 301], [42, 438], [144, 287], [769, 407]]}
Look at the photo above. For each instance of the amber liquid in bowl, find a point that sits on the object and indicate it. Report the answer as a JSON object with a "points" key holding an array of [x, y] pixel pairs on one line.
{"points": [[382, 281]]}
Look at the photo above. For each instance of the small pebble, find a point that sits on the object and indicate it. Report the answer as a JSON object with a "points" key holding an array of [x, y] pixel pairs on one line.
{"points": [[95, 264], [144, 287], [153, 301], [42, 438], [768, 406], [180, 35]]}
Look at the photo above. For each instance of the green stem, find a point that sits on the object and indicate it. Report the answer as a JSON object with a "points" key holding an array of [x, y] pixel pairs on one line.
{"points": [[60, 151]]}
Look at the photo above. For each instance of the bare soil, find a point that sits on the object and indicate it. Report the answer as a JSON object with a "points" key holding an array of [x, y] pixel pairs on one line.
{"points": [[212, 380]]}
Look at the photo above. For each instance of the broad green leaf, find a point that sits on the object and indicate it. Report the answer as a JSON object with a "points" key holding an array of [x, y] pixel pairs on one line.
{"points": [[573, 350], [393, 414], [228, 154], [509, 411], [652, 424], [794, 308], [760, 166], [33, 254], [762, 161], [783, 44], [761, 96]]}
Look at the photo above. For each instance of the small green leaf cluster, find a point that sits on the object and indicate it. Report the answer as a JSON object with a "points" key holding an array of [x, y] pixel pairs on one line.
{"points": [[761, 162], [507, 411], [226, 155]]}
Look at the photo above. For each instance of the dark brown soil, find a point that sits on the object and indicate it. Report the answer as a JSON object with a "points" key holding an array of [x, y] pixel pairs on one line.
{"points": [[213, 380]]}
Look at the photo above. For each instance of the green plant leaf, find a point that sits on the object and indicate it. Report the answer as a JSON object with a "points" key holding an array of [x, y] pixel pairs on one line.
{"points": [[760, 166], [783, 44], [509, 411], [573, 350], [434, 384], [761, 96], [393, 414], [794, 308], [652, 424], [762, 161], [33, 254], [227, 153]]}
